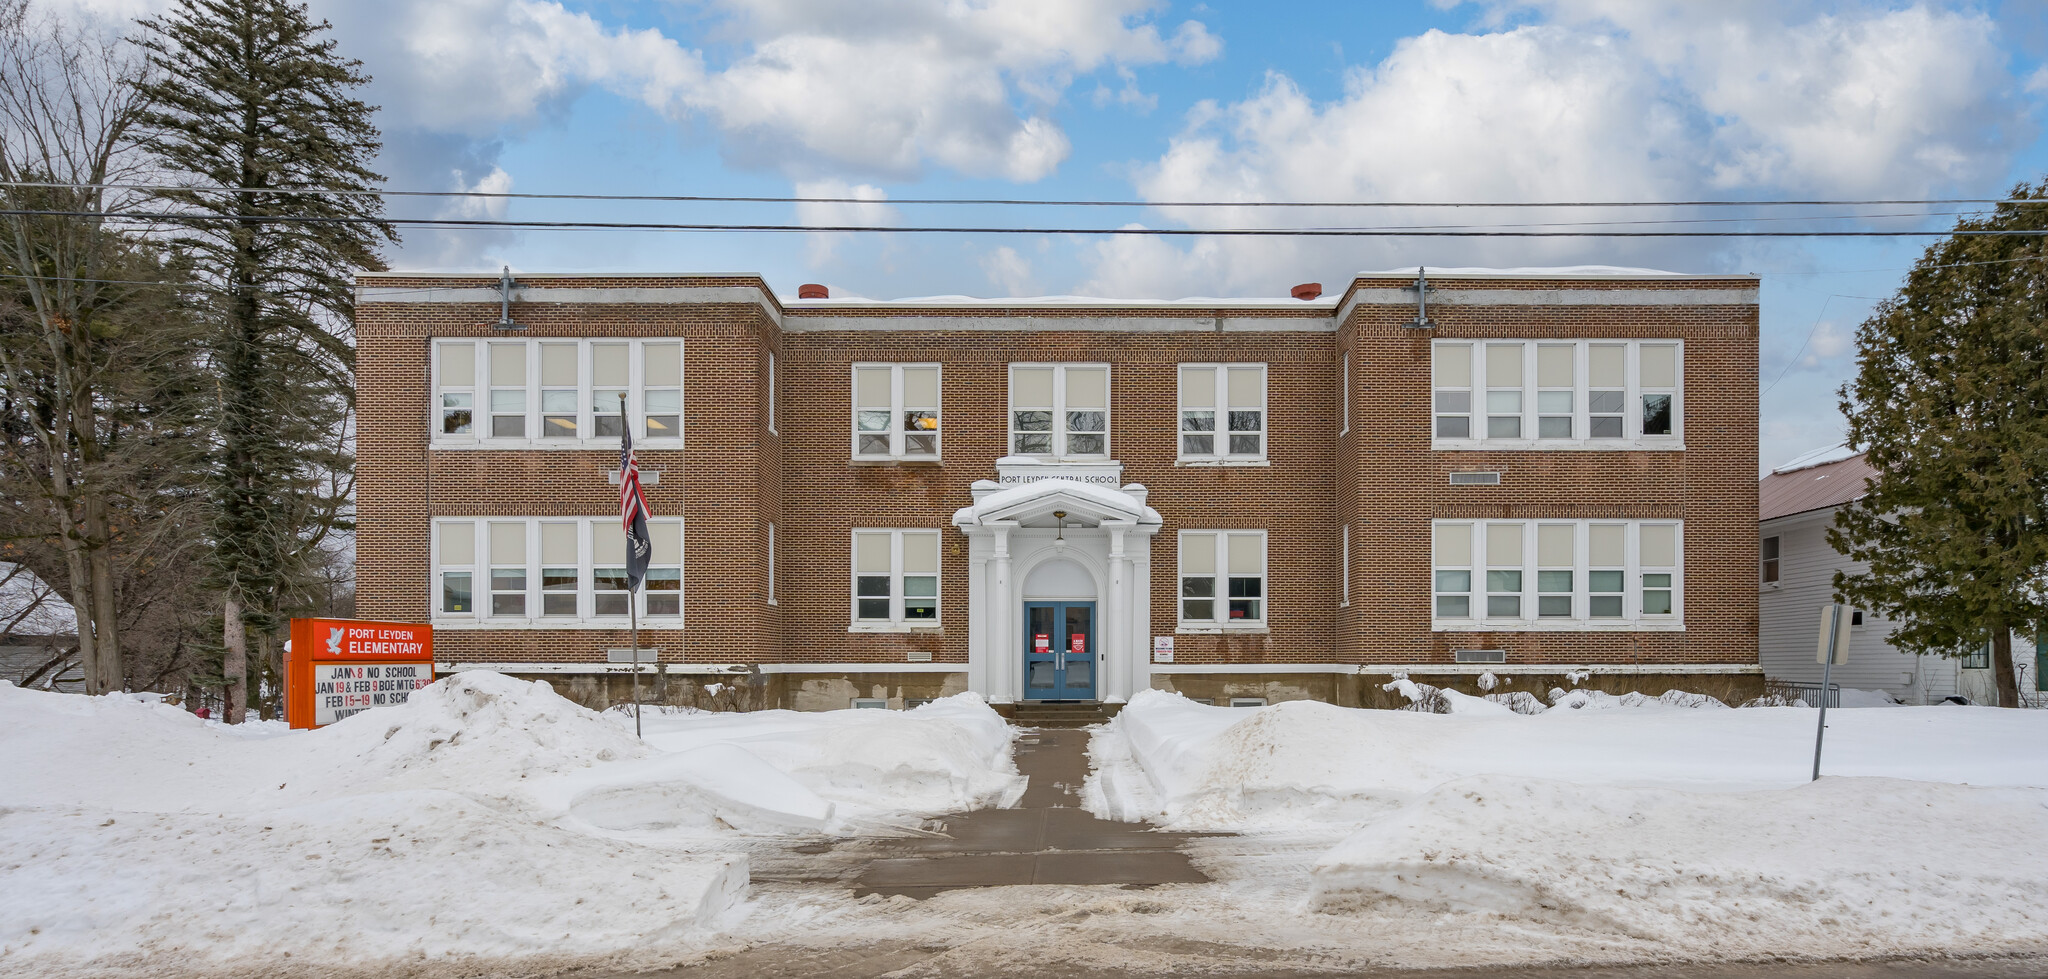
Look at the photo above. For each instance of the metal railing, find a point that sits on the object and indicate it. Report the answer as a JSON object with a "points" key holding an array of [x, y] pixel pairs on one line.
{"points": [[1809, 694]]}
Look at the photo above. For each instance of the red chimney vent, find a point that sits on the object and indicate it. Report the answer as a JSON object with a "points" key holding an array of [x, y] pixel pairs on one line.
{"points": [[1308, 290], [812, 290]]}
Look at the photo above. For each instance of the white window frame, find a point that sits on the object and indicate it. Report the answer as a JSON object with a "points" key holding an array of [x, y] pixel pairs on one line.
{"points": [[1531, 619], [1477, 415], [771, 564], [535, 616], [1221, 576], [771, 393], [1059, 410], [1344, 566], [898, 408], [896, 622], [1344, 396], [1220, 453], [1770, 568], [479, 436]]}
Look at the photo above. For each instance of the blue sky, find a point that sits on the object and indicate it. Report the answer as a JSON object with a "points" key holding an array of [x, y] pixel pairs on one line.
{"points": [[1495, 100]]}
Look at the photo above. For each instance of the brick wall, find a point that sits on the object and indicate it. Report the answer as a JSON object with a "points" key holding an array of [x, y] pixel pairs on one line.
{"points": [[1382, 477]]}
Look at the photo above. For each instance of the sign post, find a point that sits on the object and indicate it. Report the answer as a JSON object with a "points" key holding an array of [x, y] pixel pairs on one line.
{"points": [[1832, 648], [338, 667]]}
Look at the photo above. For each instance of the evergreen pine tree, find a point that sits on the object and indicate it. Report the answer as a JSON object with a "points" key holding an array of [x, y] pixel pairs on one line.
{"points": [[255, 111], [1951, 402]]}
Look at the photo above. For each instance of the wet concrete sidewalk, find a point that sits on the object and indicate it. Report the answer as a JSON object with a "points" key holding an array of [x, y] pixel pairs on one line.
{"points": [[1046, 839]]}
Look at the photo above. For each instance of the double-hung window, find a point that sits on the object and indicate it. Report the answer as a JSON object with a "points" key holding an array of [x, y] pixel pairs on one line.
{"points": [[1504, 571], [1451, 546], [561, 570], [508, 568], [1059, 410], [1222, 578], [456, 364], [455, 557], [1556, 569], [1556, 390], [1557, 574], [556, 392], [1504, 391], [896, 411], [661, 390], [552, 571], [560, 388], [611, 373], [1451, 383], [1657, 562], [1563, 394], [1769, 559], [895, 578], [508, 390], [1222, 412], [1607, 570]]}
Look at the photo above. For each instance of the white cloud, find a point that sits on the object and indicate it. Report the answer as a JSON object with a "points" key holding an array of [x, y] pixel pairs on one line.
{"points": [[1009, 272], [1605, 100], [887, 87], [822, 247]]}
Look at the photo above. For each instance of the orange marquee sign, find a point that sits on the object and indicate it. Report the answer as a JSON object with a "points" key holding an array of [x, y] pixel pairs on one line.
{"points": [[338, 667]]}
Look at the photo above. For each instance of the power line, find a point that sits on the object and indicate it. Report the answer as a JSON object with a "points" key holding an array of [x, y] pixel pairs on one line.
{"points": [[992, 201], [1382, 232]]}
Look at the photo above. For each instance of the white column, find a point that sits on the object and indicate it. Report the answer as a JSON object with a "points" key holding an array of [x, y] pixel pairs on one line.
{"points": [[1116, 631], [1141, 612], [1003, 666], [978, 551]]}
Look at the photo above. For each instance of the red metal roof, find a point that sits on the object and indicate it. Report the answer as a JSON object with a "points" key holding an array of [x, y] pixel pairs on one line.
{"points": [[1782, 494]]}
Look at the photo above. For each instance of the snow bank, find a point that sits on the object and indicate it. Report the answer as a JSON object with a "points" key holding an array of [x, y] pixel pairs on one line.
{"points": [[949, 755], [1872, 866], [485, 825], [1305, 763]]}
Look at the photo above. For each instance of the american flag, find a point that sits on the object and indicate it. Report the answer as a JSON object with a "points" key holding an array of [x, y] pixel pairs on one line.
{"points": [[633, 511]]}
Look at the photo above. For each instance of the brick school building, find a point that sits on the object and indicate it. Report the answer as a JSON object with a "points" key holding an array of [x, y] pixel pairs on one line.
{"points": [[1525, 479]]}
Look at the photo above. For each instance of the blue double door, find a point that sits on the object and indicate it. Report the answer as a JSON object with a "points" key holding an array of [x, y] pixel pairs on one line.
{"points": [[1059, 651]]}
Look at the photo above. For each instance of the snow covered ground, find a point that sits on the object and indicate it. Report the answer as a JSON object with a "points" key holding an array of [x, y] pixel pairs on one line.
{"points": [[1694, 830], [488, 820]]}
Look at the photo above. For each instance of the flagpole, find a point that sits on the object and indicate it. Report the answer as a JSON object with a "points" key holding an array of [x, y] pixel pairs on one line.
{"points": [[633, 618], [632, 594]]}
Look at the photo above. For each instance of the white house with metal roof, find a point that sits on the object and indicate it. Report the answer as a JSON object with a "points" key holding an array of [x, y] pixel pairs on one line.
{"points": [[1796, 505]]}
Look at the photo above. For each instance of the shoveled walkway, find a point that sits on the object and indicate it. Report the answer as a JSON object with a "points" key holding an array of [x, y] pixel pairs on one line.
{"points": [[1046, 839]]}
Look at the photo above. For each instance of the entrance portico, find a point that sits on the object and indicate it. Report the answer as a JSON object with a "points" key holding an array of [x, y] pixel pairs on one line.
{"points": [[1056, 540]]}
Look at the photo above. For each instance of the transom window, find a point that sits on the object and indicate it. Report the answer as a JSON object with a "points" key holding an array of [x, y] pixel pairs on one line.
{"points": [[895, 578], [1059, 410], [1555, 573], [546, 392], [551, 572], [896, 411], [1222, 412], [1222, 578], [1556, 394]]}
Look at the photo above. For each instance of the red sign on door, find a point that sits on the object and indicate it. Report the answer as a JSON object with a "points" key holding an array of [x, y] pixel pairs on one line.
{"points": [[1042, 640], [1079, 644]]}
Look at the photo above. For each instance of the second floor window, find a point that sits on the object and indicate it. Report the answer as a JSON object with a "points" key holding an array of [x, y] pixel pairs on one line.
{"points": [[553, 392], [896, 411], [1222, 412], [1770, 560], [1059, 410], [1556, 394]]}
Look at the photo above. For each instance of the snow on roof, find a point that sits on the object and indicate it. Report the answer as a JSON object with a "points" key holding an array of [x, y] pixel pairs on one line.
{"points": [[1540, 272], [1818, 457], [1326, 303], [47, 613], [1813, 486]]}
